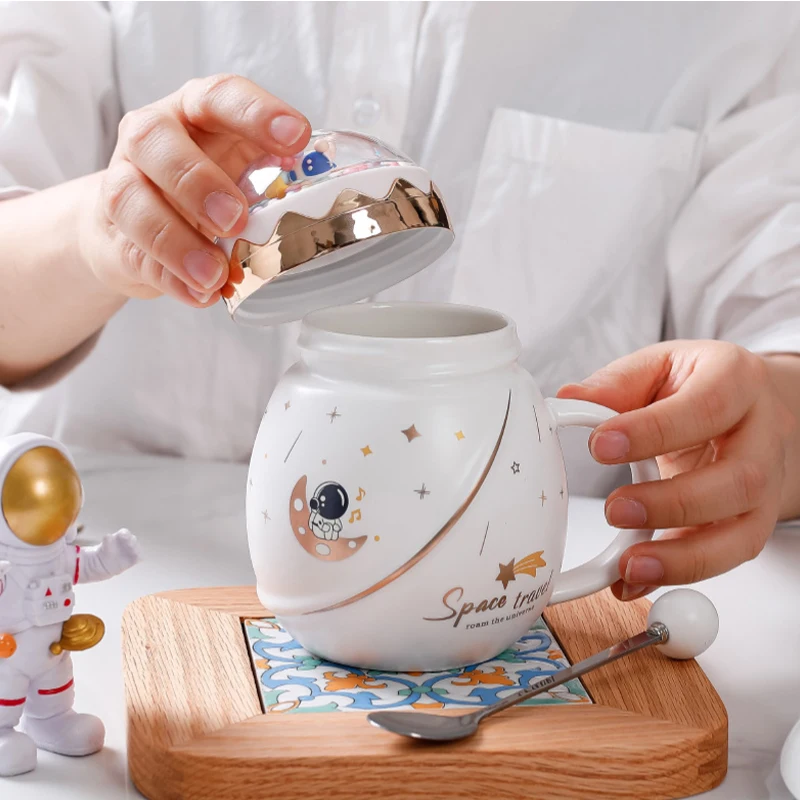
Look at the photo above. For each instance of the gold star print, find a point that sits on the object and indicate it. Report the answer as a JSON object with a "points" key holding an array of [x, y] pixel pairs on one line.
{"points": [[286, 405], [543, 497], [459, 435], [265, 515], [506, 574], [530, 564], [411, 433], [366, 451], [334, 414]]}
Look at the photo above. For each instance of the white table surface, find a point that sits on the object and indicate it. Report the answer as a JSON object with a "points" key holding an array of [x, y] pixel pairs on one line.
{"points": [[189, 518]]}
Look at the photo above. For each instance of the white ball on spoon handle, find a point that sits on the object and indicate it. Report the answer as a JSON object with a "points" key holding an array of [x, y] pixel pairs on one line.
{"points": [[691, 619]]}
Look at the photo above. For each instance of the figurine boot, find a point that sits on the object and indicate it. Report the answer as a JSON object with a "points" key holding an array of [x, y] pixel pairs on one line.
{"points": [[68, 733], [49, 719], [17, 753]]}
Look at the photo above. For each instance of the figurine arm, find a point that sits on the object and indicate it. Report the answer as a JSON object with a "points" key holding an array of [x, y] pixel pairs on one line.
{"points": [[5, 568], [117, 552]]}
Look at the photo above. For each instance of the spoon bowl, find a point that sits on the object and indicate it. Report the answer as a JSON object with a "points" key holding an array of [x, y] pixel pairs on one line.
{"points": [[430, 727]]}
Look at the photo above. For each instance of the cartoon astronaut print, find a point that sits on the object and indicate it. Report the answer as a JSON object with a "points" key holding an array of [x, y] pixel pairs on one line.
{"points": [[40, 498], [328, 505], [307, 165]]}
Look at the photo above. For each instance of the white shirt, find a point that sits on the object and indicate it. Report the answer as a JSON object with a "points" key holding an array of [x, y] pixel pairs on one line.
{"points": [[615, 172]]}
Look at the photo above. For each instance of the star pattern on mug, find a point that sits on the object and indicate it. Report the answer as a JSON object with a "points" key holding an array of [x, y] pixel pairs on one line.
{"points": [[543, 497], [287, 405], [515, 467], [265, 515], [334, 414], [506, 574], [422, 492], [459, 435], [411, 433], [366, 451]]}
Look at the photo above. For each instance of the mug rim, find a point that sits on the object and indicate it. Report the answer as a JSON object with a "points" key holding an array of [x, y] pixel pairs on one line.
{"points": [[502, 324]]}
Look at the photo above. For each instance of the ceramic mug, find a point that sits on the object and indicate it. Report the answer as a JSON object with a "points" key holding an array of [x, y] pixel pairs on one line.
{"points": [[407, 496]]}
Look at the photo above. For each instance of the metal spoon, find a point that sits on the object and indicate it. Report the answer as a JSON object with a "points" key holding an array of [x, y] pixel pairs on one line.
{"points": [[688, 615], [440, 728]]}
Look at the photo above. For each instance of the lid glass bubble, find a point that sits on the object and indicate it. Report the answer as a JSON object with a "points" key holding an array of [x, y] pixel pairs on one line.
{"points": [[346, 218]]}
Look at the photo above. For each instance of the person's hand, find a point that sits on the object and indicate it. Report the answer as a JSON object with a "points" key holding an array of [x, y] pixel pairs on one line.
{"points": [[710, 414], [170, 187]]}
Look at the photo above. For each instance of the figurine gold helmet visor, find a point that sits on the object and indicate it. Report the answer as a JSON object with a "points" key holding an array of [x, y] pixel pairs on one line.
{"points": [[41, 496]]}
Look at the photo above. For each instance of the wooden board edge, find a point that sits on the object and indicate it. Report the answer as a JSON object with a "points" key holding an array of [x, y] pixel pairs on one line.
{"points": [[685, 694], [353, 761], [165, 705], [241, 601]]}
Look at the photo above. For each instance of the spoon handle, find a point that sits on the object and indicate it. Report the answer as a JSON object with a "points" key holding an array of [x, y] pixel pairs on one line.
{"points": [[655, 634]]}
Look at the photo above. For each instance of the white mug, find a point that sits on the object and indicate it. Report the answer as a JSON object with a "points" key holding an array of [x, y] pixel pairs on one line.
{"points": [[407, 497]]}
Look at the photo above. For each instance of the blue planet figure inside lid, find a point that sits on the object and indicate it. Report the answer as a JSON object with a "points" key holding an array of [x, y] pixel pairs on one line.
{"points": [[350, 218]]}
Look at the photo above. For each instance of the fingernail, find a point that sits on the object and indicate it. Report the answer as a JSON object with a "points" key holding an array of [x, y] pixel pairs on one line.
{"points": [[633, 591], [626, 513], [643, 570], [286, 130], [202, 267], [610, 446], [223, 209], [199, 296]]}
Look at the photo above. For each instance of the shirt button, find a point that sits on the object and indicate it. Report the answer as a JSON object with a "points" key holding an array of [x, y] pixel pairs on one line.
{"points": [[366, 112]]}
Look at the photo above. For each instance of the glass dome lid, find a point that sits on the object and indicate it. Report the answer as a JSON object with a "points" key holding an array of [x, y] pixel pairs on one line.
{"points": [[350, 218]]}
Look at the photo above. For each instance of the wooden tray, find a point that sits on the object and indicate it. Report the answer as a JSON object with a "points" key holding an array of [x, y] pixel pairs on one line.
{"points": [[196, 731]]}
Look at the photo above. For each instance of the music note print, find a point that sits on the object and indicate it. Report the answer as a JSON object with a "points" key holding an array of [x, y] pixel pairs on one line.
{"points": [[355, 516], [362, 493]]}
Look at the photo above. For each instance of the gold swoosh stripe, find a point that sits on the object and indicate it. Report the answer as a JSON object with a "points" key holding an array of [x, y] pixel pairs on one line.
{"points": [[440, 534]]}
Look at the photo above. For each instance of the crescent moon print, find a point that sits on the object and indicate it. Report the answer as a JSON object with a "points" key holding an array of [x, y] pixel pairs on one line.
{"points": [[301, 516], [438, 536]]}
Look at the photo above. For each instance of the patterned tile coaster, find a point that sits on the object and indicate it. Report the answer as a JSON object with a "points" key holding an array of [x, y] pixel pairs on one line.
{"points": [[291, 680]]}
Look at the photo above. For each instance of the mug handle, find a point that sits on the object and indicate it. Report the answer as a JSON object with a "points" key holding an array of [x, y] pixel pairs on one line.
{"points": [[602, 570]]}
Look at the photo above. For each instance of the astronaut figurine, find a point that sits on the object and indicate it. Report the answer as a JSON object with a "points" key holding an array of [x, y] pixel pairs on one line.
{"points": [[40, 497]]}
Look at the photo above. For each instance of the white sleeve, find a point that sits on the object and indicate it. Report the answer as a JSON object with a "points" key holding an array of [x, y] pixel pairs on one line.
{"points": [[733, 255], [58, 120], [58, 103]]}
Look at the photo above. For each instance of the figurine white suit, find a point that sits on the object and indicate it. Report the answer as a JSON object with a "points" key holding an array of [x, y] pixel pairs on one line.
{"points": [[39, 565]]}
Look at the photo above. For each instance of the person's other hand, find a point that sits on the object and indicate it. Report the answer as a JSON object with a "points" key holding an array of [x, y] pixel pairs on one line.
{"points": [[170, 187], [710, 414]]}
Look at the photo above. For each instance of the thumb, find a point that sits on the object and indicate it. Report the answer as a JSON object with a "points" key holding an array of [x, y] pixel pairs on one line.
{"points": [[628, 383]]}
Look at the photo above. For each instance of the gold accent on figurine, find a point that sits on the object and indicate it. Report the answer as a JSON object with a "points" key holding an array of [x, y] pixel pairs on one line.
{"points": [[79, 632], [436, 538], [42, 496], [353, 217]]}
